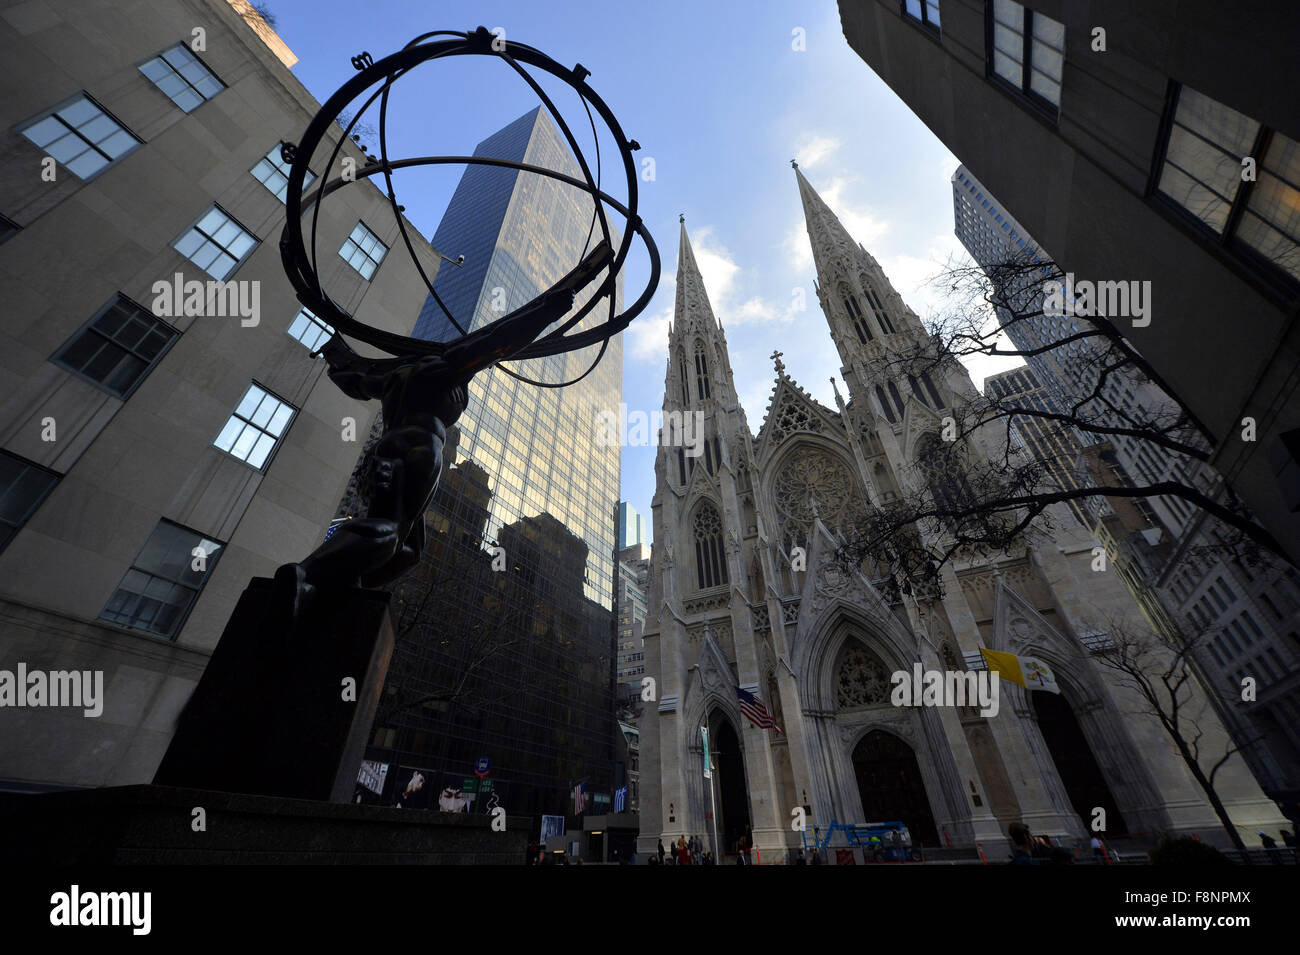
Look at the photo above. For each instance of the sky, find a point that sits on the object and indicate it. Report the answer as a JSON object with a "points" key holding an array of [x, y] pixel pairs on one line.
{"points": [[721, 96]]}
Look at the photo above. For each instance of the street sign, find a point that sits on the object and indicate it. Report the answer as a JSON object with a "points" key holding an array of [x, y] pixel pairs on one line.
{"points": [[483, 766]]}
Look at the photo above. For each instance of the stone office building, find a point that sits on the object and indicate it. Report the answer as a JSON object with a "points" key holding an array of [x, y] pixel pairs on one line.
{"points": [[1118, 134], [141, 142]]}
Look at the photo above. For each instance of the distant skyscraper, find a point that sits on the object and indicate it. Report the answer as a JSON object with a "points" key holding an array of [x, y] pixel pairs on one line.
{"points": [[509, 650], [1054, 447], [631, 526]]}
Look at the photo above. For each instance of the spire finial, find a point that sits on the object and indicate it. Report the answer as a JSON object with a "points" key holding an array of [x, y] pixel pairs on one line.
{"points": [[681, 217], [780, 365], [794, 163]]}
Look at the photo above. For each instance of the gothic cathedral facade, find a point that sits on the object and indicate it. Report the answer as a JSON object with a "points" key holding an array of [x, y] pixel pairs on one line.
{"points": [[747, 594]]}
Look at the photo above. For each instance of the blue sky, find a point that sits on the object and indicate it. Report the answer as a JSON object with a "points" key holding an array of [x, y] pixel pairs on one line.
{"points": [[721, 100]]}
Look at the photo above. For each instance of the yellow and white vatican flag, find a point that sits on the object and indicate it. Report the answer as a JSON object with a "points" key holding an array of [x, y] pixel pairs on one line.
{"points": [[1029, 672]]}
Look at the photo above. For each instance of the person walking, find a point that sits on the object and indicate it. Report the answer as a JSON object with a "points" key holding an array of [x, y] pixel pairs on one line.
{"points": [[1021, 844], [661, 851]]}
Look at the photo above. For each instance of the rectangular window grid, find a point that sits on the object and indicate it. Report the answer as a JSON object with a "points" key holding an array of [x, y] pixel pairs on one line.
{"points": [[273, 172], [23, 485], [256, 427], [925, 11], [81, 137], [1028, 51], [363, 251], [158, 591], [310, 330], [118, 347], [216, 243], [1201, 171], [182, 77]]}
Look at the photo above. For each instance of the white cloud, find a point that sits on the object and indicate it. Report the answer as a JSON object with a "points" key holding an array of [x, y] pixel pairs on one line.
{"points": [[861, 222], [816, 148]]}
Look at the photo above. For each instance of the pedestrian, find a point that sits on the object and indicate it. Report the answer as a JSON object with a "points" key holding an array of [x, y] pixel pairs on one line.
{"points": [[683, 853], [661, 850], [799, 859], [1021, 844], [1098, 852], [816, 857]]}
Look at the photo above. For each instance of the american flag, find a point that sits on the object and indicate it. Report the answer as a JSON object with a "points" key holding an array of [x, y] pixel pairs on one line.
{"points": [[620, 799], [755, 711], [579, 799]]}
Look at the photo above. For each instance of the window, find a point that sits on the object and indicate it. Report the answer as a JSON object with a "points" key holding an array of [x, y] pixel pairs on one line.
{"points": [[934, 392], [216, 243], [8, 229], [898, 399], [884, 404], [23, 485], [686, 388], [159, 590], [309, 329], [273, 172], [924, 11], [119, 346], [881, 315], [256, 427], [701, 371], [363, 251], [81, 136], [710, 558], [859, 322], [1201, 169], [1028, 51], [182, 77]]}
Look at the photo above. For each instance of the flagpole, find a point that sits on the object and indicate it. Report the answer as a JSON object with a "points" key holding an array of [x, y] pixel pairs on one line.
{"points": [[713, 799]]}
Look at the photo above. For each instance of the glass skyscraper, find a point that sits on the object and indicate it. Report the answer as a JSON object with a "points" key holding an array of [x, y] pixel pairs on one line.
{"points": [[506, 632]]}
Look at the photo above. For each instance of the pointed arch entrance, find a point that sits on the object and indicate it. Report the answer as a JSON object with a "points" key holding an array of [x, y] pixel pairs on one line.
{"points": [[730, 788], [890, 785], [1085, 785]]}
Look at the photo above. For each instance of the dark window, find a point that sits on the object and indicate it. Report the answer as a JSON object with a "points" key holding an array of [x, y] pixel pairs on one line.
{"points": [[182, 76], [916, 390], [686, 388], [1201, 171], [923, 11], [8, 229], [1027, 51], [701, 371], [898, 399], [881, 315], [884, 404], [934, 392], [119, 347], [710, 557], [159, 590], [23, 485], [859, 322]]}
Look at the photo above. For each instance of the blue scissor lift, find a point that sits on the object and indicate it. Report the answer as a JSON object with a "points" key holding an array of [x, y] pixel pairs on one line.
{"points": [[881, 841]]}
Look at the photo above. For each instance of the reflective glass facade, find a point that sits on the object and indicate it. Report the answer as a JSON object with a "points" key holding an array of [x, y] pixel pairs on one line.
{"points": [[506, 633]]}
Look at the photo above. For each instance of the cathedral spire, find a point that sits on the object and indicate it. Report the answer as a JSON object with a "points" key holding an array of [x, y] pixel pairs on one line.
{"points": [[863, 308], [699, 368]]}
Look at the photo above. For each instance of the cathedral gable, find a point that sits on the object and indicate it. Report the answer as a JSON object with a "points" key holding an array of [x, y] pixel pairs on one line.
{"points": [[1019, 628], [790, 411]]}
